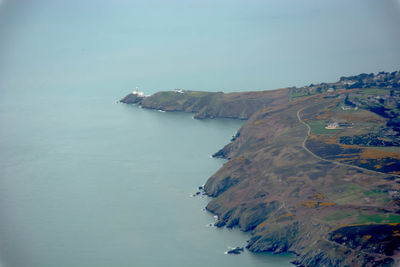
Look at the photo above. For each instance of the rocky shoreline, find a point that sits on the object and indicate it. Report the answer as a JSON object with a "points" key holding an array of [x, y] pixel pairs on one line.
{"points": [[288, 198]]}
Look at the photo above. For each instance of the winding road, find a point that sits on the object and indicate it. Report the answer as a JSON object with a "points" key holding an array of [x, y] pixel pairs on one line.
{"points": [[327, 160]]}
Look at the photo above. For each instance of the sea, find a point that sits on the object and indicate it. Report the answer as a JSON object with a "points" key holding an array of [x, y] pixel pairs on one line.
{"points": [[87, 181]]}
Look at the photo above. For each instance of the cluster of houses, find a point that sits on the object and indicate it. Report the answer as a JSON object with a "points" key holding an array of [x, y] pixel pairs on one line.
{"points": [[383, 80], [389, 99]]}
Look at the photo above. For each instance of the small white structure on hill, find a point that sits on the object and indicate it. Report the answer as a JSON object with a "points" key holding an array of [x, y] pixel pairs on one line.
{"points": [[176, 90], [332, 125], [344, 107], [136, 92]]}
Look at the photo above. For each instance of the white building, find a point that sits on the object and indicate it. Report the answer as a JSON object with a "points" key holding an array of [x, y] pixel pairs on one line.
{"points": [[332, 125], [136, 92], [178, 91]]}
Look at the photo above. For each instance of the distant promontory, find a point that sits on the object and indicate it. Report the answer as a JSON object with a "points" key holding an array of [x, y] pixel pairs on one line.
{"points": [[314, 170]]}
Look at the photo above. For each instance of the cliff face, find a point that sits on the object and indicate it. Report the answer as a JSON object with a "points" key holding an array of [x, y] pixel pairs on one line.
{"points": [[132, 99], [211, 104], [292, 201], [288, 196]]}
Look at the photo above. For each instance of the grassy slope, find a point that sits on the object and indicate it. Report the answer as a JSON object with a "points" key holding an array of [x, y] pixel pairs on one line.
{"points": [[289, 199], [301, 198], [209, 104]]}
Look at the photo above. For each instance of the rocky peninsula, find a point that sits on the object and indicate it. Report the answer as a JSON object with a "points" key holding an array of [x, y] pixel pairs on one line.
{"points": [[314, 170]]}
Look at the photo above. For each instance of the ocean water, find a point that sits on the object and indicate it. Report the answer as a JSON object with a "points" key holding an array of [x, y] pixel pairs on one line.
{"points": [[86, 181]]}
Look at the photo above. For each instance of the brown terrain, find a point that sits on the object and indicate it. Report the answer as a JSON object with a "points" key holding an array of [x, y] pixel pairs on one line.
{"points": [[315, 174]]}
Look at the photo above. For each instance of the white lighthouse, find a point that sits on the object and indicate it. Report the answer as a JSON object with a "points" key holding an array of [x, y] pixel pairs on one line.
{"points": [[136, 92]]}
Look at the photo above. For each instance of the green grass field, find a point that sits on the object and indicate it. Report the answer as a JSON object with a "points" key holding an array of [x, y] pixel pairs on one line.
{"points": [[318, 127], [375, 193], [374, 91], [347, 193], [377, 218], [339, 215], [363, 217], [299, 94]]}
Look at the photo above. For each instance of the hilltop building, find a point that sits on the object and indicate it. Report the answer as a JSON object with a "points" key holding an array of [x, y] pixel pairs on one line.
{"points": [[332, 125], [136, 92]]}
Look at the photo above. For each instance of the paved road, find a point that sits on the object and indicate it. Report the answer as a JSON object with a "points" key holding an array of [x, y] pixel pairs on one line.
{"points": [[331, 161]]}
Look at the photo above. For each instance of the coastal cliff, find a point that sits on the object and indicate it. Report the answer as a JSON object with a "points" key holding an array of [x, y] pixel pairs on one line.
{"points": [[291, 181], [210, 104]]}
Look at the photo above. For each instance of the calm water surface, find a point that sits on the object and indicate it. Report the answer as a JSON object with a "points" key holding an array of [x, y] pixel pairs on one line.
{"points": [[88, 182], [85, 181]]}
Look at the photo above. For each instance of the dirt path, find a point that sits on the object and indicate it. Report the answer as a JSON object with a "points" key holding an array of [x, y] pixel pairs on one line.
{"points": [[327, 160]]}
